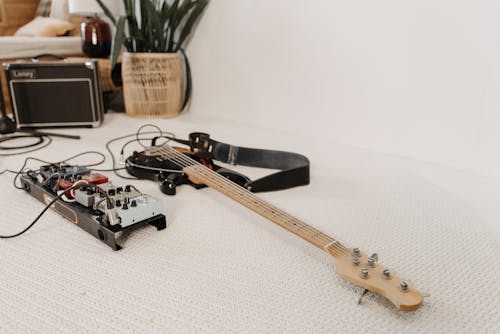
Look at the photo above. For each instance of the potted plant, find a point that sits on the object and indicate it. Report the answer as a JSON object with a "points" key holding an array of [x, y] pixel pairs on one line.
{"points": [[155, 70]]}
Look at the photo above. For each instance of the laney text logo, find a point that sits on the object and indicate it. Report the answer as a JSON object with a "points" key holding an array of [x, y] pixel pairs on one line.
{"points": [[25, 74]]}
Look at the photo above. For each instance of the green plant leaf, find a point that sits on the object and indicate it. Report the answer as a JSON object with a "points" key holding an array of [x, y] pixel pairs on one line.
{"points": [[165, 13], [118, 40], [129, 45], [156, 33], [190, 22], [177, 19], [160, 21], [170, 31], [133, 28], [144, 21], [107, 12], [164, 16], [129, 7]]}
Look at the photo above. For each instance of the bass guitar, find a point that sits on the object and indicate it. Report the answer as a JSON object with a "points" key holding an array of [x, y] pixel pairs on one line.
{"points": [[352, 264]]}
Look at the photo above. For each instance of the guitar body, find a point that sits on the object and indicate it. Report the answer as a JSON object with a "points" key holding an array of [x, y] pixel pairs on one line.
{"points": [[169, 175]]}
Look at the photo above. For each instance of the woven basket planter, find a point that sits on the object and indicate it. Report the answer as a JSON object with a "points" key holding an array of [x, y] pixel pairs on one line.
{"points": [[153, 84]]}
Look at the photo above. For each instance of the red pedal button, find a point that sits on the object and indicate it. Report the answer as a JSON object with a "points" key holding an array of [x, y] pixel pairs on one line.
{"points": [[95, 178]]}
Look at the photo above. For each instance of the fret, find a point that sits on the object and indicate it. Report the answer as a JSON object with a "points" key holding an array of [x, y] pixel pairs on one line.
{"points": [[259, 206]]}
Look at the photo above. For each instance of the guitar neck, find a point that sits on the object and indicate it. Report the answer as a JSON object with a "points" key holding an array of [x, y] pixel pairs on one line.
{"points": [[352, 265], [239, 194]]}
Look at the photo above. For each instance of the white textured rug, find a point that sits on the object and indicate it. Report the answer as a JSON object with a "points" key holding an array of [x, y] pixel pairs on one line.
{"points": [[219, 268]]}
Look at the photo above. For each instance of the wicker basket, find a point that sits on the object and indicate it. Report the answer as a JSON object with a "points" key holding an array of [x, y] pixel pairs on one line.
{"points": [[152, 84]]}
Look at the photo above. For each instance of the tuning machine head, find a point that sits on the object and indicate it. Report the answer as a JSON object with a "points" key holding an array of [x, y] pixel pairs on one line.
{"points": [[365, 271]]}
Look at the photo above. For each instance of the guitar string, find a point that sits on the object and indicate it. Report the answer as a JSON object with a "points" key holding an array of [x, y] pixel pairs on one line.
{"points": [[184, 161], [315, 234], [275, 212]]}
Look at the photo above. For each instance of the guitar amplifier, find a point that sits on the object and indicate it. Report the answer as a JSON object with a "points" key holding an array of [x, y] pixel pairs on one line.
{"points": [[55, 94]]}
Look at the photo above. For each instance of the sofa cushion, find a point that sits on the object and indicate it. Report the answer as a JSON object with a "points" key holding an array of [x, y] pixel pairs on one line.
{"points": [[45, 27], [60, 10]]}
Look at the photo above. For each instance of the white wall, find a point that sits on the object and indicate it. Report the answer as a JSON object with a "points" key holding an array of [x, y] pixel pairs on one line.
{"points": [[415, 78]]}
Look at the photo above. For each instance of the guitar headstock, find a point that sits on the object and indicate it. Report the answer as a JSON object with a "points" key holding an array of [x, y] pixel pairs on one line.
{"points": [[362, 270]]}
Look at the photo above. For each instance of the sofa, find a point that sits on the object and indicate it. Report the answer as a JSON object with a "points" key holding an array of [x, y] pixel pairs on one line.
{"points": [[13, 15]]}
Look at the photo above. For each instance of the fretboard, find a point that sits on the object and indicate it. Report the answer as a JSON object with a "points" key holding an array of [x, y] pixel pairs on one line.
{"points": [[259, 206]]}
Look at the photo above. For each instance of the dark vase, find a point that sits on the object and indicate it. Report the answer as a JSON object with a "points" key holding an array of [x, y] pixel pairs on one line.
{"points": [[96, 38]]}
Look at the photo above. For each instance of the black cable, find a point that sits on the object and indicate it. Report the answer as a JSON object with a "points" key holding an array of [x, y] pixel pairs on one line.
{"points": [[105, 170], [47, 140], [103, 158], [48, 206], [138, 138], [20, 147], [8, 171], [21, 170], [138, 133], [163, 134]]}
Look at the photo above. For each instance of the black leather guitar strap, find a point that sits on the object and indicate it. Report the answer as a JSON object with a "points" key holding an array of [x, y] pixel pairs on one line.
{"points": [[294, 168]]}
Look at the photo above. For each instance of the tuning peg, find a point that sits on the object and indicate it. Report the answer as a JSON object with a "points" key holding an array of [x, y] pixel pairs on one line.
{"points": [[403, 286], [363, 273], [355, 261], [386, 274], [356, 252], [375, 257]]}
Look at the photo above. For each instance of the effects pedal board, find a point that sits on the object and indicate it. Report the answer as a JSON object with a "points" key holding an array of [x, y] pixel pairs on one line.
{"points": [[90, 201]]}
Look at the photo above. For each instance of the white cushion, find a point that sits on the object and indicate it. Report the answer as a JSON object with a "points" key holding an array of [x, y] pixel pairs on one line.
{"points": [[22, 47], [45, 27]]}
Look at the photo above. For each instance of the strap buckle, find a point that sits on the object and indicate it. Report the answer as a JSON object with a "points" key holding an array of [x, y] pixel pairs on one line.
{"points": [[202, 145], [232, 155]]}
